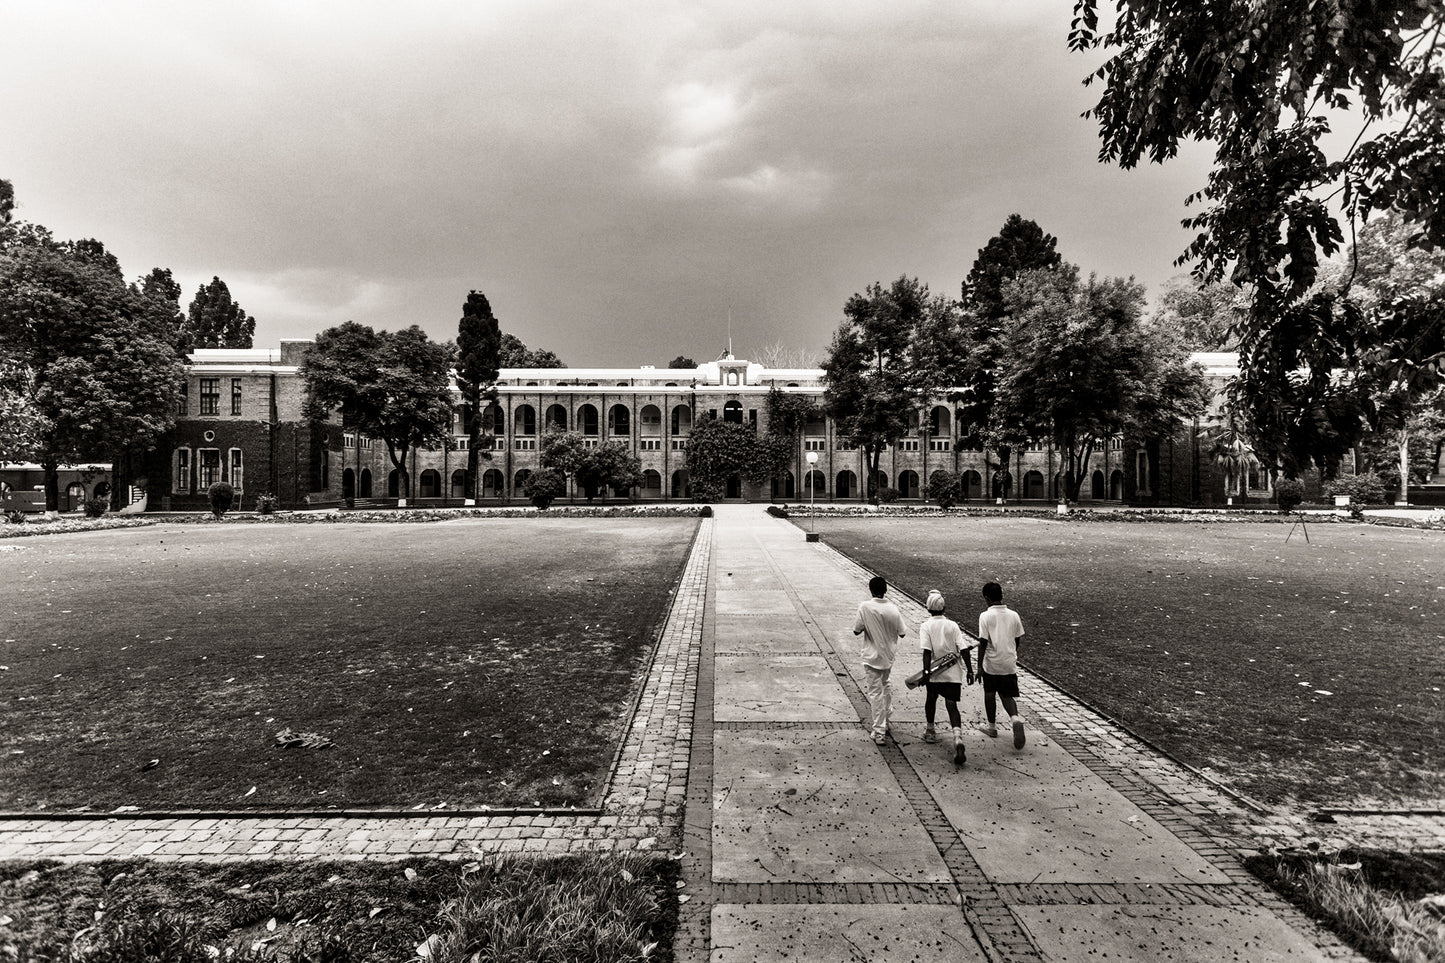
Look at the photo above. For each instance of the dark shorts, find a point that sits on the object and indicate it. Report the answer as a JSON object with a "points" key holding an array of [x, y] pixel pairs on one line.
{"points": [[1004, 685], [951, 691]]}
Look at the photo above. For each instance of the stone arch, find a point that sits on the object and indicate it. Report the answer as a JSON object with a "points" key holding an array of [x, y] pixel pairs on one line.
{"points": [[587, 420]]}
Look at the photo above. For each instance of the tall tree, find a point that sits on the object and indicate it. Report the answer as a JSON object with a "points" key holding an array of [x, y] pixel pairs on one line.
{"points": [[1256, 81], [393, 386], [775, 354], [516, 354], [215, 321], [22, 426], [161, 286], [1080, 366], [1391, 280], [1020, 245], [682, 361], [874, 375], [100, 371], [479, 356], [7, 202], [1203, 314]]}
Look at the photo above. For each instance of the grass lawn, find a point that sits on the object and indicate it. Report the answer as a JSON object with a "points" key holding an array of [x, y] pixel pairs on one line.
{"points": [[467, 663], [1301, 673], [572, 909]]}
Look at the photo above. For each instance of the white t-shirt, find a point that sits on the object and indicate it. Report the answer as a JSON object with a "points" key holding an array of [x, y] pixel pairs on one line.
{"points": [[882, 626], [942, 636], [1001, 626]]}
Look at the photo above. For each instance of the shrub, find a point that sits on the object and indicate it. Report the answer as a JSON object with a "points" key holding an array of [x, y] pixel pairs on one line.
{"points": [[1368, 489], [266, 503], [1288, 493], [543, 486], [705, 511], [96, 507], [889, 494], [777, 511], [15, 516], [943, 488], [221, 494]]}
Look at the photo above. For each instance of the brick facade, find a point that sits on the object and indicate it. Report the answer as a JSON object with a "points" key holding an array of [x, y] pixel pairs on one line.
{"points": [[244, 409]]}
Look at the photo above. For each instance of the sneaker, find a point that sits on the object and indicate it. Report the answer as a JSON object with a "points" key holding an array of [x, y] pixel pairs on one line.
{"points": [[1018, 732], [960, 754], [989, 729], [879, 738], [929, 734]]}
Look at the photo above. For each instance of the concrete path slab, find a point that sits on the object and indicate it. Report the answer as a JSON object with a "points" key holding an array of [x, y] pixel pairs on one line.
{"points": [[806, 841], [807, 805], [1167, 934], [778, 688], [787, 934], [766, 634], [1032, 816]]}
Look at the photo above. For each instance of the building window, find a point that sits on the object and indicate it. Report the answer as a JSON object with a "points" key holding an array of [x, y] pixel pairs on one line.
{"points": [[679, 444], [460, 442], [348, 440], [208, 466], [814, 444], [235, 396], [908, 444], [938, 444], [524, 444], [237, 472], [183, 399], [210, 396], [649, 444], [183, 470], [843, 445]]}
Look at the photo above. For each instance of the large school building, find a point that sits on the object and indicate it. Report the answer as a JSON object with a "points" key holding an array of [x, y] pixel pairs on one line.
{"points": [[241, 420]]}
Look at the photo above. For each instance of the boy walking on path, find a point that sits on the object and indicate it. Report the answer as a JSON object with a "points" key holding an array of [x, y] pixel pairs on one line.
{"points": [[999, 631], [881, 625], [939, 638]]}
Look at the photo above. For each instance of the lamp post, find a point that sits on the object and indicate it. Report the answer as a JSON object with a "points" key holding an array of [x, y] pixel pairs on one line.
{"points": [[812, 458]]}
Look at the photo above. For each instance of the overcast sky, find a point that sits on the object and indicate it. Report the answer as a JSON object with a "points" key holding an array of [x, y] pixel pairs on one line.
{"points": [[617, 177]]}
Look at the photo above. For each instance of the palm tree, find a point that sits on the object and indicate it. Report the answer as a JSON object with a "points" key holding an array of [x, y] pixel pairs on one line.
{"points": [[1230, 448]]}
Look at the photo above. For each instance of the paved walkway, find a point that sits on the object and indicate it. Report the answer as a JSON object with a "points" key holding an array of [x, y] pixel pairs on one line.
{"points": [[806, 841], [802, 840]]}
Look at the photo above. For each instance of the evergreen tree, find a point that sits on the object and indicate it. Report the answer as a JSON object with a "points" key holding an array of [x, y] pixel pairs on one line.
{"points": [[215, 321], [479, 356]]}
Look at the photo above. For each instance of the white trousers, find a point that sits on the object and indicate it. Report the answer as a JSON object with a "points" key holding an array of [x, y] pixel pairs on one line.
{"points": [[880, 697]]}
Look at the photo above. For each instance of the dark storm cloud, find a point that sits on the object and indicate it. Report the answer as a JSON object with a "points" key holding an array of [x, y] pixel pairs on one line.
{"points": [[619, 178]]}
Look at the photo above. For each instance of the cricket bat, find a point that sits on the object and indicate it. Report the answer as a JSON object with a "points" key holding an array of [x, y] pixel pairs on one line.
{"points": [[947, 662]]}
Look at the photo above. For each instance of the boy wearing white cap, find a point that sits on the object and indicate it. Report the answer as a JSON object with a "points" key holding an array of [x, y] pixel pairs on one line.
{"points": [[940, 637]]}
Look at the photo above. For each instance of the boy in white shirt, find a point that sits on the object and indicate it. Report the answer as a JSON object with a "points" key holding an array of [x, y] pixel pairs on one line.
{"points": [[940, 637], [999, 631], [883, 625]]}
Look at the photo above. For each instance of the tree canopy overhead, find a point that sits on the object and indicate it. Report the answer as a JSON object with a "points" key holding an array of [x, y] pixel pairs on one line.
{"points": [[1266, 83]]}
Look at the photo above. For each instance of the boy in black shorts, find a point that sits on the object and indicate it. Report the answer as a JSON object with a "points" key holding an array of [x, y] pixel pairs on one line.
{"points": [[999, 629], [940, 637]]}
